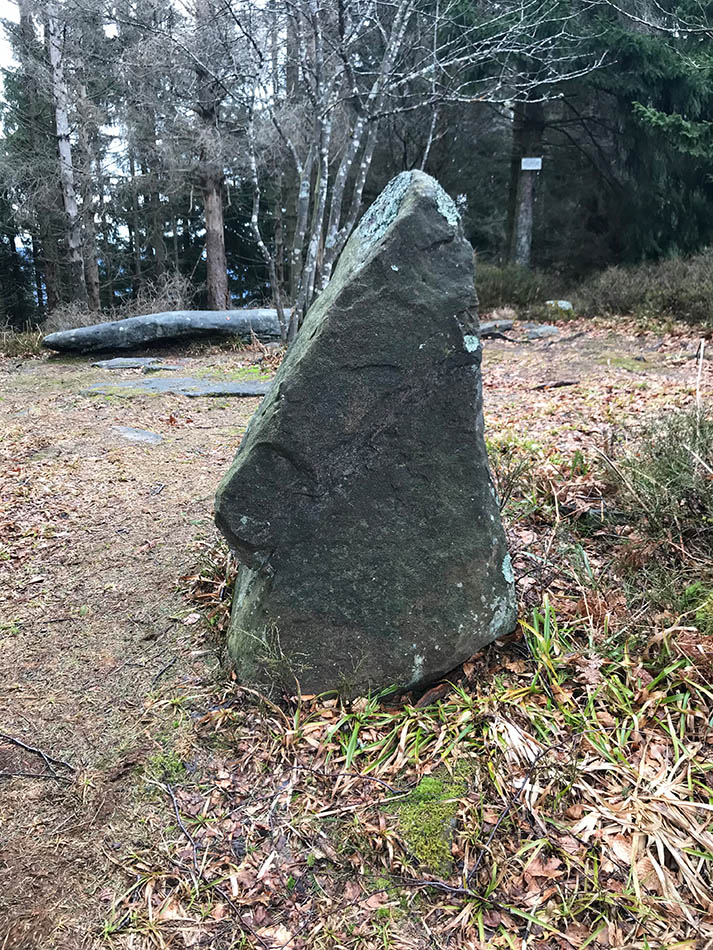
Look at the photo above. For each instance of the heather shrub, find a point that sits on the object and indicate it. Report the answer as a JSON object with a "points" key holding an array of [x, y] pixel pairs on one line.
{"points": [[511, 285], [677, 288], [173, 291], [667, 474]]}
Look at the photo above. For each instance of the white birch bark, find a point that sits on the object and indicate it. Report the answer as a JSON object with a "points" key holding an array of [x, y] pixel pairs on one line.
{"points": [[60, 97], [257, 234], [337, 237]]}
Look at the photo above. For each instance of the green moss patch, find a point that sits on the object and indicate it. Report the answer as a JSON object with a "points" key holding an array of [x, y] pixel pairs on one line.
{"points": [[629, 363], [241, 374], [699, 597], [426, 818]]}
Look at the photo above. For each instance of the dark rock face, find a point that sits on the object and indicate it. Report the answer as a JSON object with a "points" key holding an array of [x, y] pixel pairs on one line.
{"points": [[360, 501], [135, 332]]}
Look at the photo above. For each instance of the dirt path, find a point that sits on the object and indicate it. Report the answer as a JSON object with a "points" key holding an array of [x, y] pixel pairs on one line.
{"points": [[95, 533]]}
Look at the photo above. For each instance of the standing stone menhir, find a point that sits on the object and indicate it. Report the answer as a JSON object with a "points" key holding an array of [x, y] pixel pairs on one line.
{"points": [[360, 504]]}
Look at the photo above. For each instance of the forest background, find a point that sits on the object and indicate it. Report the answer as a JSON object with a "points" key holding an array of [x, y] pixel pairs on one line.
{"points": [[217, 153]]}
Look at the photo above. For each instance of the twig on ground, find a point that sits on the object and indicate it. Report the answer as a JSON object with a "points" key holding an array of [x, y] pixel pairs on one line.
{"points": [[163, 670], [557, 384], [167, 788], [44, 775], [48, 759]]}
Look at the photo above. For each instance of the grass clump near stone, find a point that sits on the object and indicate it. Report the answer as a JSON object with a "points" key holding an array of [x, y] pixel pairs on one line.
{"points": [[667, 474], [15, 344]]}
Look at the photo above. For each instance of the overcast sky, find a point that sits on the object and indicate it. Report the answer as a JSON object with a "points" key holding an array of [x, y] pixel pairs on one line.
{"points": [[8, 11]]}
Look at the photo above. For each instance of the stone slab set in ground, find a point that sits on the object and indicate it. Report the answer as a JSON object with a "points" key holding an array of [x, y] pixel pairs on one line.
{"points": [[136, 332], [176, 386], [360, 502], [137, 435], [147, 364]]}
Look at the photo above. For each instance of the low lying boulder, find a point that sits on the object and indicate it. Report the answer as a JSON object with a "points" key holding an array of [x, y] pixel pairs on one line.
{"points": [[136, 332]]}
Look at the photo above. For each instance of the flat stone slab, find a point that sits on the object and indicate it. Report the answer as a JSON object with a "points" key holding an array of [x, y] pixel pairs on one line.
{"points": [[543, 332], [127, 362], [135, 332], [138, 435], [177, 386], [495, 325]]}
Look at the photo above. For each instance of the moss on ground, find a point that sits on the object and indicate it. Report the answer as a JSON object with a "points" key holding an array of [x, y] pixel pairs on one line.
{"points": [[699, 597], [630, 363], [254, 373], [426, 817]]}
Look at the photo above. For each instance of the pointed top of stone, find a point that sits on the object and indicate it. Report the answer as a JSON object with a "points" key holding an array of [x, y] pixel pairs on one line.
{"points": [[382, 214]]}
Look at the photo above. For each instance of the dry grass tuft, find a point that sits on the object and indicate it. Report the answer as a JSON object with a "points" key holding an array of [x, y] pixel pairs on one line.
{"points": [[14, 344]]}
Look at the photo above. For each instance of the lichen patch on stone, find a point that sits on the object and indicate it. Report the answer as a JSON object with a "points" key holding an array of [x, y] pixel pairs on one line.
{"points": [[382, 213], [447, 207]]}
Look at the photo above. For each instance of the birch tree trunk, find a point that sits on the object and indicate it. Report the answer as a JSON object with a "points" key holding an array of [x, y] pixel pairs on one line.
{"points": [[257, 234], [91, 267], [60, 96], [336, 237], [134, 231]]}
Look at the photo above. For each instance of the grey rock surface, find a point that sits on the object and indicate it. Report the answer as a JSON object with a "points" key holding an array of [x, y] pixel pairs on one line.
{"points": [[560, 304], [138, 435], [136, 332], [127, 362], [177, 386], [360, 503], [541, 331], [491, 327]]}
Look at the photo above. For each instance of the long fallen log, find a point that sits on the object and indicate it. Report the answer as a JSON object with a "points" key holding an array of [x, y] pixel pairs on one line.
{"points": [[136, 332]]}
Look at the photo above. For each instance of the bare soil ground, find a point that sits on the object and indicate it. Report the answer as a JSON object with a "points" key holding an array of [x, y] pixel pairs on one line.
{"points": [[104, 663]]}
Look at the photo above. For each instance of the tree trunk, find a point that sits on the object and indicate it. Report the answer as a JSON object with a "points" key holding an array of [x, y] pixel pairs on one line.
{"points": [[37, 271], [18, 308], [134, 228], [91, 267], [211, 174], [60, 96], [50, 265], [528, 131], [216, 264], [521, 248], [269, 258]]}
